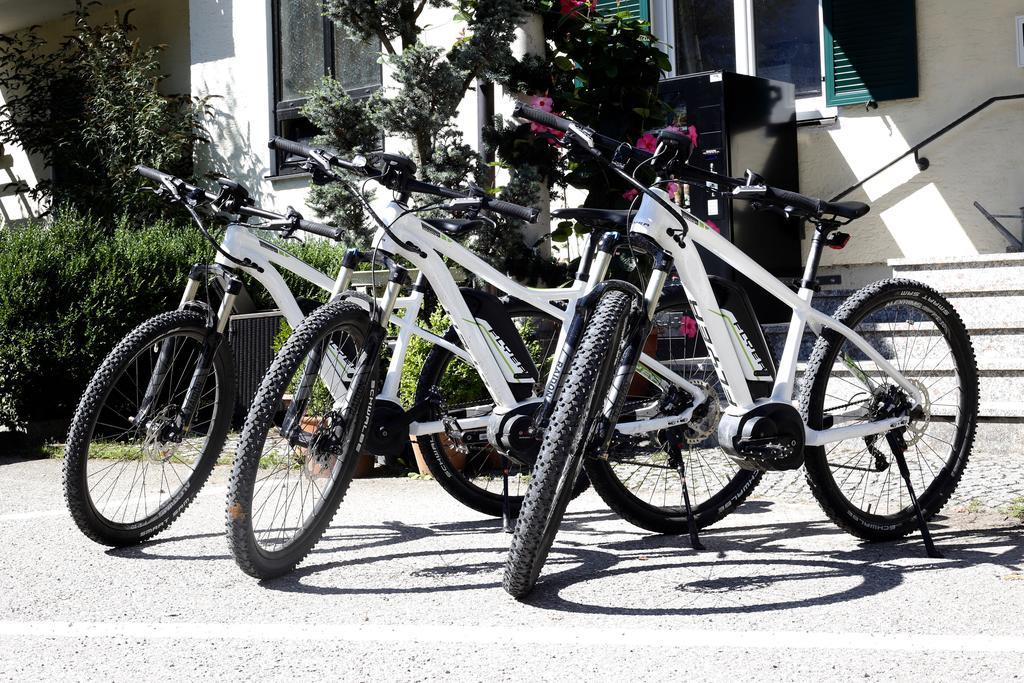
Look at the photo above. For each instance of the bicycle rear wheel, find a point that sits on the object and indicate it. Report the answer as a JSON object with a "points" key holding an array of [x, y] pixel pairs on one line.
{"points": [[559, 462], [134, 459], [856, 481], [299, 446], [474, 476], [637, 478]]}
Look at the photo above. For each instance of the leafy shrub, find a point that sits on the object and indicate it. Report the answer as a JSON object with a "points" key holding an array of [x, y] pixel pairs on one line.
{"points": [[460, 382], [68, 294], [91, 108], [599, 68]]}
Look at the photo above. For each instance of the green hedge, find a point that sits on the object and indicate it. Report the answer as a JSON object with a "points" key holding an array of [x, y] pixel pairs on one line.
{"points": [[72, 288], [68, 293]]}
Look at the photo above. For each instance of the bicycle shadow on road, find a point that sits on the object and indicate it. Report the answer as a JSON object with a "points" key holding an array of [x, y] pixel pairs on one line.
{"points": [[731, 566], [485, 570]]}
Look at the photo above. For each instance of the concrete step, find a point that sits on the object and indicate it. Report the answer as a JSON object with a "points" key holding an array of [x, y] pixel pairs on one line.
{"points": [[990, 273], [999, 438], [976, 309], [996, 342]]}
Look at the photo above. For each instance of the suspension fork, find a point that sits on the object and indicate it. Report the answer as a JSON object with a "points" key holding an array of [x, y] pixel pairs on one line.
{"points": [[366, 362], [638, 329], [216, 324], [594, 265]]}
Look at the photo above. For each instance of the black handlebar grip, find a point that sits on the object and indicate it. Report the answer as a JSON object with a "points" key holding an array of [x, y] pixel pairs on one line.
{"points": [[798, 201], [151, 173], [544, 118], [321, 229], [525, 213], [290, 146]]}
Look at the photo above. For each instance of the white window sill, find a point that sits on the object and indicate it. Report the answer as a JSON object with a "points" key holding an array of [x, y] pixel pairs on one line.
{"points": [[814, 109]]}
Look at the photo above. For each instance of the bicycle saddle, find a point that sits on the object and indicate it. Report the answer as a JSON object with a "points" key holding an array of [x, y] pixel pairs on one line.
{"points": [[596, 217], [454, 227], [850, 210]]}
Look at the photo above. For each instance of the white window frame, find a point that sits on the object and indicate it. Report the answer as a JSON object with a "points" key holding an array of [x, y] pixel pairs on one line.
{"points": [[663, 26]]}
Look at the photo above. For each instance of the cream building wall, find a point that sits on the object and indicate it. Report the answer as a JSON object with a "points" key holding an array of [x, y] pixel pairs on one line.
{"points": [[159, 22], [966, 54]]}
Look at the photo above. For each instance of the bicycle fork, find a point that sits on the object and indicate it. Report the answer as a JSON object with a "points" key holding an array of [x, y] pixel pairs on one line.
{"points": [[216, 325]]}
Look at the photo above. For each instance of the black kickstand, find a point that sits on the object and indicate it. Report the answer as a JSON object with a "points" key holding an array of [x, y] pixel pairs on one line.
{"points": [[898, 445], [675, 453], [508, 524]]}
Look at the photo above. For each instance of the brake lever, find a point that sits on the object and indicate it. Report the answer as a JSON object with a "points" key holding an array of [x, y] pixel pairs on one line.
{"points": [[465, 205]]}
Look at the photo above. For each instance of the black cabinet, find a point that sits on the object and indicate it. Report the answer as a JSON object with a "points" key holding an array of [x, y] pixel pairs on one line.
{"points": [[744, 122]]}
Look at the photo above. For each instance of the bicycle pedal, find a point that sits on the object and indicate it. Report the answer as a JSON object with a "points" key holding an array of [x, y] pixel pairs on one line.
{"points": [[455, 434]]}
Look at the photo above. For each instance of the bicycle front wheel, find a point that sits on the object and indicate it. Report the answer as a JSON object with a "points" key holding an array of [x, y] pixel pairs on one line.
{"points": [[148, 429], [299, 447], [586, 383], [857, 481]]}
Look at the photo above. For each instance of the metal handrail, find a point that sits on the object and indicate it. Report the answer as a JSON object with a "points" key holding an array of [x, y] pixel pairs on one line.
{"points": [[923, 163]]}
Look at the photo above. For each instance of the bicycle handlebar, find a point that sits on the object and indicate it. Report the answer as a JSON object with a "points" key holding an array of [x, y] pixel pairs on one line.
{"points": [[400, 180], [608, 144], [187, 190], [766, 194], [544, 118]]}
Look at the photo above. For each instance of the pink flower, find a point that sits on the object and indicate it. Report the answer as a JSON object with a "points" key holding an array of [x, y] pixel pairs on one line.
{"points": [[541, 102], [544, 130], [711, 224], [570, 6], [647, 142], [630, 194], [688, 327]]}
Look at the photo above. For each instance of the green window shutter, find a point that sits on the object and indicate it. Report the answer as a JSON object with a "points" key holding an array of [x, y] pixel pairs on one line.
{"points": [[636, 8], [870, 50]]}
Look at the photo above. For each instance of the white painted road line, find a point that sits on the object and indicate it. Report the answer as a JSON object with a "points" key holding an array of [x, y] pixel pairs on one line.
{"points": [[19, 516], [39, 514], [448, 633]]}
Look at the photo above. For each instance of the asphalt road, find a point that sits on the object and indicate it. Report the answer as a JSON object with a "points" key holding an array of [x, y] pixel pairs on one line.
{"points": [[406, 586]]}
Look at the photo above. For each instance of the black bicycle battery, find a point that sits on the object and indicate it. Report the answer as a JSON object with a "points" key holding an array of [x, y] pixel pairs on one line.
{"points": [[504, 339]]}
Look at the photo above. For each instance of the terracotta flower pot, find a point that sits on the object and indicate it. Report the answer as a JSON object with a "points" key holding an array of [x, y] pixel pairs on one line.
{"points": [[421, 464]]}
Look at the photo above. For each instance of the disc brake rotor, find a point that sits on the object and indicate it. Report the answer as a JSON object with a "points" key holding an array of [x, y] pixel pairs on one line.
{"points": [[918, 426], [154, 447], [703, 426]]}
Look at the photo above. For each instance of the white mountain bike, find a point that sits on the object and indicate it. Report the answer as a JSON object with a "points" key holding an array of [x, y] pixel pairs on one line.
{"points": [[892, 379], [325, 400], [156, 414]]}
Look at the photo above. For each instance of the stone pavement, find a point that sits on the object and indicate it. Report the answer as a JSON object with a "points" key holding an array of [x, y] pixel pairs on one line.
{"points": [[993, 481], [406, 586]]}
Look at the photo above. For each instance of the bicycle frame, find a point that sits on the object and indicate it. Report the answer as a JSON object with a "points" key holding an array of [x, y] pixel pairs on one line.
{"points": [[482, 348], [655, 221]]}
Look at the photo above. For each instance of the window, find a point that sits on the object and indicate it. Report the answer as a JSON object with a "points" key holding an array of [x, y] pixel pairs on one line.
{"points": [[706, 36], [835, 52], [778, 39], [787, 43], [870, 50], [308, 47]]}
